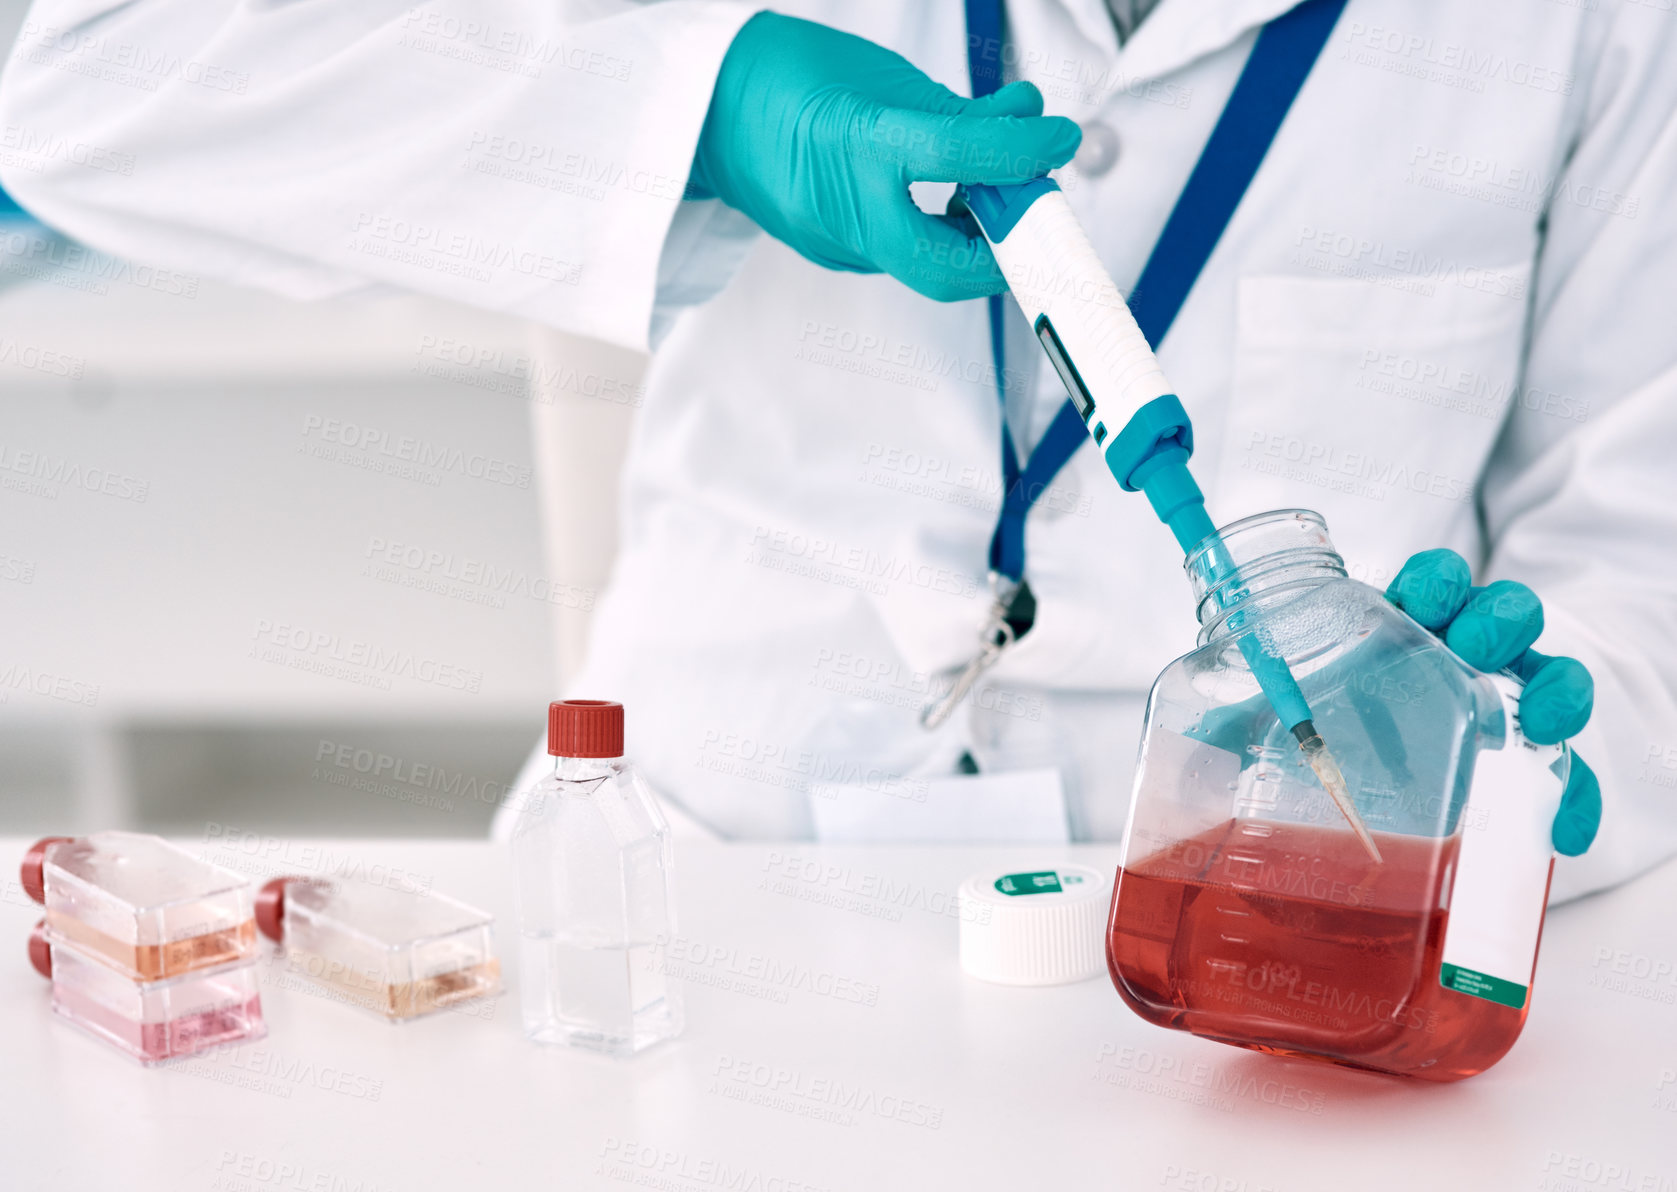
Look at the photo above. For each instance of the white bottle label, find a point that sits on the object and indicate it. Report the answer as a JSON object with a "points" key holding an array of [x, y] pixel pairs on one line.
{"points": [[1502, 871]]}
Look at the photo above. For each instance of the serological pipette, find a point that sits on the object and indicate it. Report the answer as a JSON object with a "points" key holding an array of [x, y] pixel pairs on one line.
{"points": [[1132, 414]]}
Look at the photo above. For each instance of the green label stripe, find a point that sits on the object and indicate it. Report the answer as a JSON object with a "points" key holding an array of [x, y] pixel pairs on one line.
{"points": [[1044, 882], [1474, 984]]}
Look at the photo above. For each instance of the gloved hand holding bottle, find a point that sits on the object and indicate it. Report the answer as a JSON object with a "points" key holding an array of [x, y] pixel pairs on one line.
{"points": [[816, 134], [1492, 628]]}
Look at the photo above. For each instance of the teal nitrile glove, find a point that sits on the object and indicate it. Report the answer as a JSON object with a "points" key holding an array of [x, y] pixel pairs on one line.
{"points": [[816, 134], [1493, 627]]}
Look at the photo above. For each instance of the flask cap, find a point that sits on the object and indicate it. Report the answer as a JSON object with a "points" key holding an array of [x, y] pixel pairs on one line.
{"points": [[31, 874], [585, 728], [270, 907], [40, 951]]}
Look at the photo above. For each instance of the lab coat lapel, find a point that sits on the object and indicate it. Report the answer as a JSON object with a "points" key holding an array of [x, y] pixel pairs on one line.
{"points": [[1175, 33]]}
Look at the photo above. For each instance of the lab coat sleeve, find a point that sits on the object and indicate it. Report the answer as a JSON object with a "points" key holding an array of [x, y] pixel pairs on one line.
{"points": [[1580, 496], [527, 156]]}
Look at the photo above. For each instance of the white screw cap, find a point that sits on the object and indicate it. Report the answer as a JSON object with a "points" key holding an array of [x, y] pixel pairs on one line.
{"points": [[1035, 926]]}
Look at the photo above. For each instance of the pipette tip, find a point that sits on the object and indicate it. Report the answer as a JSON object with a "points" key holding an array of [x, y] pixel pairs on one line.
{"points": [[1315, 752]]}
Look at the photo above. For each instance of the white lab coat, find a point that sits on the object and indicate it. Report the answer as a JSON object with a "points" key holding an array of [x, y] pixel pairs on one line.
{"points": [[1441, 317]]}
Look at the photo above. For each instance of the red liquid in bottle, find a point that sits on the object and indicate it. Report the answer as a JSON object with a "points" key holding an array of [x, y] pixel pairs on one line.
{"points": [[1287, 938]]}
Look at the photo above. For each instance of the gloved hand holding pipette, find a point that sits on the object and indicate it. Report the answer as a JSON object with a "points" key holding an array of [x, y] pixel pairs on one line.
{"points": [[816, 135]]}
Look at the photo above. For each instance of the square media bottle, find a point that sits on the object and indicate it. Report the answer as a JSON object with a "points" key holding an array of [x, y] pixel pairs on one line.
{"points": [[1246, 910], [592, 862]]}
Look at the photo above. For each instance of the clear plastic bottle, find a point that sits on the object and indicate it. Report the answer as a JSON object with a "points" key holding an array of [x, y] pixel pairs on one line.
{"points": [[592, 860], [1247, 911]]}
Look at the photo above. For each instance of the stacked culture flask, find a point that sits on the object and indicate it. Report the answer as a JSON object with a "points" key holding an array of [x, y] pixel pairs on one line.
{"points": [[147, 947]]}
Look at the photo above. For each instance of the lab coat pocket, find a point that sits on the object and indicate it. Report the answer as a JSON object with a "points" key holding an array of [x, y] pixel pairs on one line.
{"points": [[1375, 402]]}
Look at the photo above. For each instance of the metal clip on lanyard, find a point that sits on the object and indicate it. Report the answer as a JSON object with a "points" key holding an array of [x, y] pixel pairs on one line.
{"points": [[1011, 616], [1280, 61]]}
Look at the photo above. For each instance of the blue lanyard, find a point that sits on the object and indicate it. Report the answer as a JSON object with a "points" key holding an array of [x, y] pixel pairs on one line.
{"points": [[1285, 51]]}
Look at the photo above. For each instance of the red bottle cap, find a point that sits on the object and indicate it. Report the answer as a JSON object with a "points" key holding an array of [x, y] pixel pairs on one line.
{"points": [[270, 907], [30, 873], [40, 952], [585, 728]]}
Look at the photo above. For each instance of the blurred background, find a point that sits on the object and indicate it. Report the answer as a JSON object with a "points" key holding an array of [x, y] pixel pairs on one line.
{"points": [[283, 566]]}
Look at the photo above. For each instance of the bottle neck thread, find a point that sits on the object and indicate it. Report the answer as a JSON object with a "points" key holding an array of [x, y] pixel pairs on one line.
{"points": [[1256, 563], [581, 769]]}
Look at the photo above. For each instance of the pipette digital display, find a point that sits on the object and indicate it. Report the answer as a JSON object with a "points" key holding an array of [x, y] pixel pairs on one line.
{"points": [[1128, 407]]}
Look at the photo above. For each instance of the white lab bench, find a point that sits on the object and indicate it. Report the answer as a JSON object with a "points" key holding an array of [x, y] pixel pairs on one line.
{"points": [[833, 1043]]}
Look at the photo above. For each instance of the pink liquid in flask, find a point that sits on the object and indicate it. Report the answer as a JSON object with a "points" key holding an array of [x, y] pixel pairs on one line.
{"points": [[1289, 939], [151, 1021]]}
